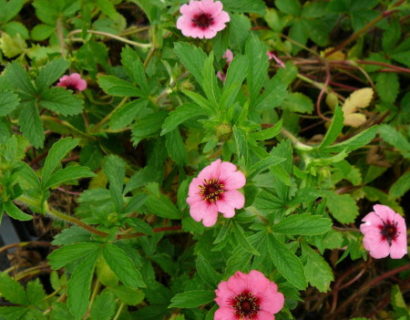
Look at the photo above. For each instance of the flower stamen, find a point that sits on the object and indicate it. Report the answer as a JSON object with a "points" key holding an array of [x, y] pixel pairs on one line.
{"points": [[246, 305], [211, 190], [202, 21]]}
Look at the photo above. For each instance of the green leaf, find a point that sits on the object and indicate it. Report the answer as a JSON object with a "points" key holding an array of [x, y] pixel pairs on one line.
{"points": [[335, 128], [206, 272], [192, 299], [12, 313], [303, 224], [127, 295], [241, 142], [30, 124], [123, 266], [395, 138], [238, 30], [234, 78], [70, 253], [12, 290], [298, 102], [269, 133], [118, 87], [11, 8], [159, 204], [342, 207], [71, 173], [274, 94], [287, 263], [41, 32], [79, 285], [71, 235], [114, 169], [243, 240], [180, 115], [401, 186], [209, 83], [103, 307], [291, 7], [8, 102], [108, 8], [15, 212], [175, 147], [134, 68], [254, 6], [192, 57], [19, 79], [35, 292], [148, 126], [257, 67], [357, 141], [317, 271], [264, 164], [57, 152], [387, 86], [125, 115], [61, 101], [51, 72]]}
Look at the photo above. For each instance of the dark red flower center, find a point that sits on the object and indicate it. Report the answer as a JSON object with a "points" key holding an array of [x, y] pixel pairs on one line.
{"points": [[246, 306], [388, 231], [211, 190], [203, 20]]}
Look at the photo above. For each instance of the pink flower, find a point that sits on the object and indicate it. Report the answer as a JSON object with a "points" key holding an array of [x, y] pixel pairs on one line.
{"points": [[215, 189], [228, 56], [248, 297], [273, 56], [202, 19], [221, 76], [384, 233], [73, 82]]}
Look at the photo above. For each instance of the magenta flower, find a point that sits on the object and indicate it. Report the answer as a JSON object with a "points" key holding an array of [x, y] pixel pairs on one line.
{"points": [[73, 82], [215, 189], [248, 297], [202, 19], [271, 55], [384, 233]]}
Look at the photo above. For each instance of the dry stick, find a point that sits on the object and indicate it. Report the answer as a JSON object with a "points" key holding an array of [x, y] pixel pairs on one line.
{"points": [[362, 31], [322, 92], [371, 284], [25, 244]]}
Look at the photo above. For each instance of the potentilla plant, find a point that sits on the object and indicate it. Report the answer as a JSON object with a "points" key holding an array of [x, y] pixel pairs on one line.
{"points": [[227, 160]]}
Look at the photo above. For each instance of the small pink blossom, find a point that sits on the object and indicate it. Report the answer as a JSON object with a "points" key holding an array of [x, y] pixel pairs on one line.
{"points": [[221, 76], [73, 82], [202, 19], [228, 56], [273, 56], [248, 297], [384, 233], [215, 190]]}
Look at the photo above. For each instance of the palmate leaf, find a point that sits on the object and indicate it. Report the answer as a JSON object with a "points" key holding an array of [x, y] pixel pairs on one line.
{"points": [[8, 102], [303, 224], [51, 72], [192, 299], [118, 87], [30, 124], [68, 174], [114, 169], [18, 78], [192, 57]]}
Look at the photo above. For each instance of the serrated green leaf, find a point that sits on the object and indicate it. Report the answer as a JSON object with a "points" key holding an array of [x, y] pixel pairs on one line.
{"points": [[118, 87], [70, 236], [12, 313], [395, 138], [135, 69], [41, 32], [19, 79], [243, 240], [192, 299], [387, 86], [123, 266], [317, 271], [148, 126], [159, 204], [303, 224], [180, 115], [12, 290], [356, 142], [127, 295], [8, 102], [30, 124], [114, 169], [287, 263], [61, 101], [67, 174], [342, 207], [291, 7], [125, 115], [192, 57], [269, 133], [15, 212], [70, 253], [255, 6], [206, 272], [298, 102], [233, 82], [103, 307], [175, 147], [241, 142], [35, 292], [264, 164], [79, 285], [335, 128], [401, 186], [56, 154], [51, 72]]}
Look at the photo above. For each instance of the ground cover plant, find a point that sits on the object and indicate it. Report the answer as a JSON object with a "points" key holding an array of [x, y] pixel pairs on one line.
{"points": [[227, 160]]}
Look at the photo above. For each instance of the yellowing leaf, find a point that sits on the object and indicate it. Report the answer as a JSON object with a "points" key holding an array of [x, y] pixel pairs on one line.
{"points": [[358, 99], [354, 119], [337, 55]]}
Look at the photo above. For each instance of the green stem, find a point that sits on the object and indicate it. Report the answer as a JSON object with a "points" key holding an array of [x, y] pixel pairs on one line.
{"points": [[298, 144], [108, 116], [112, 36], [117, 315]]}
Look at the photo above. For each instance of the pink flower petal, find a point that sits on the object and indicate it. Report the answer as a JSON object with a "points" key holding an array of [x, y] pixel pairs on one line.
{"points": [[273, 301], [224, 314], [210, 172], [224, 295], [225, 208], [237, 283], [263, 315], [235, 199]]}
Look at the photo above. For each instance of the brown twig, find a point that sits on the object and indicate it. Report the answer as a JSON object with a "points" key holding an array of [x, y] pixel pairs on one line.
{"points": [[322, 92], [26, 244]]}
